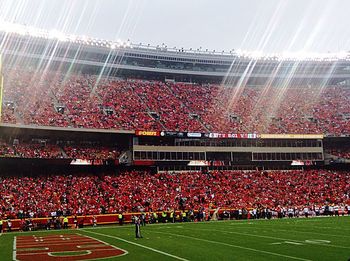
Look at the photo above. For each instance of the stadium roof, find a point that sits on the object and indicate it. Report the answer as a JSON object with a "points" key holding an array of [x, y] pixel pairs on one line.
{"points": [[13, 28]]}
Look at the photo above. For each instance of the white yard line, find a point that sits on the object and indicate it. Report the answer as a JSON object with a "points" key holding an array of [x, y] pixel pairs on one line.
{"points": [[14, 253], [235, 246], [139, 245]]}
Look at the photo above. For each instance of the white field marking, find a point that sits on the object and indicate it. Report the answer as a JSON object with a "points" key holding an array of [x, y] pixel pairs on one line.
{"points": [[139, 245], [31, 249], [293, 243], [236, 246], [241, 224], [14, 254], [261, 236], [87, 252], [87, 246], [317, 241], [48, 239], [54, 244], [85, 240], [50, 242], [100, 249], [48, 253], [287, 242]]}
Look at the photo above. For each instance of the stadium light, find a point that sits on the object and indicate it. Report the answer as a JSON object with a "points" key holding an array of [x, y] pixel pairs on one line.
{"points": [[54, 34], [23, 30]]}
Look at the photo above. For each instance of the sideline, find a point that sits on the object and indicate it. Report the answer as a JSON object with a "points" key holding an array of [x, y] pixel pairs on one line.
{"points": [[139, 245], [235, 246], [231, 222]]}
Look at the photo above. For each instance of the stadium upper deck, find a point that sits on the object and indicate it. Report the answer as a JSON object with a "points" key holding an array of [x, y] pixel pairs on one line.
{"points": [[50, 80], [19, 42]]}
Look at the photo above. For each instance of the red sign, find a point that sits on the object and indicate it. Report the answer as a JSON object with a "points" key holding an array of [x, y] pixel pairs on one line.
{"points": [[147, 133]]}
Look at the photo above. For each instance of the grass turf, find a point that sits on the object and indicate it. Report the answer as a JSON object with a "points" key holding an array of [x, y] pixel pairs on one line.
{"points": [[286, 239]]}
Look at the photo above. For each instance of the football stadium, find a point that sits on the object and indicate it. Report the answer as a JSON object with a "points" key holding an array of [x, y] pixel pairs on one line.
{"points": [[116, 150]]}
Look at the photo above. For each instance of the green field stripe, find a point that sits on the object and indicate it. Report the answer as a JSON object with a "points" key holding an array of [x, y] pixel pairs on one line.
{"points": [[265, 236], [234, 246], [299, 231], [139, 245]]}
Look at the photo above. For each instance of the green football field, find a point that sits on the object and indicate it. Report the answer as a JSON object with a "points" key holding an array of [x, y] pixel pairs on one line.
{"points": [[286, 239]]}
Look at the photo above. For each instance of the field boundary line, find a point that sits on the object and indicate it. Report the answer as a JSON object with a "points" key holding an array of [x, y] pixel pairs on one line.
{"points": [[235, 246], [139, 245]]}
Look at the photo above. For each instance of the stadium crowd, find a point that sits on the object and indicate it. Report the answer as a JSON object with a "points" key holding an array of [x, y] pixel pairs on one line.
{"points": [[340, 153], [113, 103], [91, 152], [85, 194], [40, 150]]}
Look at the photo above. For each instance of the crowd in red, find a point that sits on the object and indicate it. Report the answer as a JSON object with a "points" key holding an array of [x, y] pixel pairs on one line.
{"points": [[142, 191], [6, 150], [91, 153], [29, 150], [113, 103], [58, 151], [341, 153]]}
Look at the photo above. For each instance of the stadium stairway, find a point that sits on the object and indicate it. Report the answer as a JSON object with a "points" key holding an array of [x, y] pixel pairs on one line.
{"points": [[125, 158], [19, 119]]}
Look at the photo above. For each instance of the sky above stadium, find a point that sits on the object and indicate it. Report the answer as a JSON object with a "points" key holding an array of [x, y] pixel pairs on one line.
{"points": [[271, 26]]}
